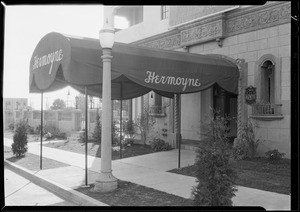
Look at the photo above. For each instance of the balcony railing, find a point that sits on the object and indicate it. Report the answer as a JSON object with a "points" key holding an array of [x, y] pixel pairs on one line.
{"points": [[266, 110], [157, 111]]}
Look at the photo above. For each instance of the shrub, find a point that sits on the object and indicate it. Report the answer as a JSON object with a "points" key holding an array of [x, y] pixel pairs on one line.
{"points": [[248, 144], [129, 129], [38, 130], [11, 126], [274, 155], [30, 129], [114, 134], [82, 136], [239, 152], [53, 132], [128, 142], [160, 145], [19, 145], [215, 176], [97, 130]]}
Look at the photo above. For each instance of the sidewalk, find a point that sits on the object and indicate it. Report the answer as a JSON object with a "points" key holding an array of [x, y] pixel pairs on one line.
{"points": [[147, 170], [20, 191]]}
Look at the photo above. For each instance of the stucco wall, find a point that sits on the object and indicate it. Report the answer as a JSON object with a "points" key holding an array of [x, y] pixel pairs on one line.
{"points": [[190, 116], [151, 25], [251, 46]]}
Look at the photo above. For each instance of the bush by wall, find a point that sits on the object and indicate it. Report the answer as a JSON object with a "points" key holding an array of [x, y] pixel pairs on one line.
{"points": [[19, 145], [53, 132], [160, 145], [274, 156], [248, 144]]}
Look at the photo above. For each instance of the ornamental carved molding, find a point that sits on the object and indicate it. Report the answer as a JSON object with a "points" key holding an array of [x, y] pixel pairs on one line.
{"points": [[221, 26], [258, 20], [202, 33], [169, 42]]}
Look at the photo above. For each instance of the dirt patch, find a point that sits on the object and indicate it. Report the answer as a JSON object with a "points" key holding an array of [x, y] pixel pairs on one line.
{"points": [[130, 194]]}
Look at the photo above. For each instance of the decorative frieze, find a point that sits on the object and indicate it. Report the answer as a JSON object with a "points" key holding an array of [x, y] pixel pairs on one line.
{"points": [[258, 20], [221, 26], [169, 42], [202, 33]]}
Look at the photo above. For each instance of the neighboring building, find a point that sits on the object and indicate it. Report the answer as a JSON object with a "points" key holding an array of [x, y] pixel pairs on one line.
{"points": [[11, 104], [260, 35], [12, 110]]}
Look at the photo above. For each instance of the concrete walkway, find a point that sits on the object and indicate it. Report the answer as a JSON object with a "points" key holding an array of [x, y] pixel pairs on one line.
{"points": [[21, 192], [147, 170]]}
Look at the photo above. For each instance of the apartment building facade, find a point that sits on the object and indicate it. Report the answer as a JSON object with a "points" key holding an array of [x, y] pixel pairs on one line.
{"points": [[259, 36]]}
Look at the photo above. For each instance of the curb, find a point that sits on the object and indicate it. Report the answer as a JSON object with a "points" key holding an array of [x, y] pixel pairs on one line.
{"points": [[60, 190]]}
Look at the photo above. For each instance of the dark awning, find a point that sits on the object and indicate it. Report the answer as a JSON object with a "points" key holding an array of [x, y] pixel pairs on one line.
{"points": [[61, 60]]}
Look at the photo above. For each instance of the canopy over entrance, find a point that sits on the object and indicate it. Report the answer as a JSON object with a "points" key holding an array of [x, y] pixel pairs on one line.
{"points": [[61, 60]]}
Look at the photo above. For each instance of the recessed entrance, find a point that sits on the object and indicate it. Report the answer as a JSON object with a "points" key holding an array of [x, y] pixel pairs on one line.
{"points": [[226, 103]]}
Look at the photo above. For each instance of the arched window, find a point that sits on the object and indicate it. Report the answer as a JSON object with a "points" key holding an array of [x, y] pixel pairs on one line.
{"points": [[267, 82]]}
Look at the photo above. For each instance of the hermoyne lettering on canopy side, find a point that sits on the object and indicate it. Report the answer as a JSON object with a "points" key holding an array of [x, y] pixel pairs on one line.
{"points": [[47, 59], [170, 80]]}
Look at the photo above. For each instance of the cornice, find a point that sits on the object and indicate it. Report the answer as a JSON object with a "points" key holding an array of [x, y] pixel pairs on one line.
{"points": [[221, 26]]}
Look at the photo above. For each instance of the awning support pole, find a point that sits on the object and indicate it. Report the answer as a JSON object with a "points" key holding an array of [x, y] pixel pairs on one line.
{"points": [[121, 114], [41, 146], [86, 135], [177, 115]]}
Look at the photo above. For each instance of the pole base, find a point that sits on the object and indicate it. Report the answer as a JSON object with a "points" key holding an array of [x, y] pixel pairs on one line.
{"points": [[105, 183]]}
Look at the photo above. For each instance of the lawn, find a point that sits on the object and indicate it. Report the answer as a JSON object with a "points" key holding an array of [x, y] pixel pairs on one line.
{"points": [[256, 173], [95, 150], [31, 161]]}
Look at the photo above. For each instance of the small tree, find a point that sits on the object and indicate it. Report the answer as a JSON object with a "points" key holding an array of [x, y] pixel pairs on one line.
{"points": [[19, 146], [97, 129], [58, 104], [215, 176]]}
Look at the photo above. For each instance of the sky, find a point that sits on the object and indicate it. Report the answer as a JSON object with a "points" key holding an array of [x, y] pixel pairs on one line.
{"points": [[24, 27]]}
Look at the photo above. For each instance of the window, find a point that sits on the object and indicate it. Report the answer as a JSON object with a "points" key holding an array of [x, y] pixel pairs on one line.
{"points": [[164, 12], [267, 82], [157, 110]]}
